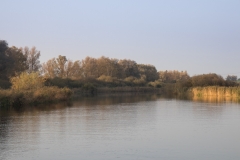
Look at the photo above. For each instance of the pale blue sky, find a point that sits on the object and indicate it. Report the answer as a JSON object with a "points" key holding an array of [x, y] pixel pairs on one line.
{"points": [[200, 36]]}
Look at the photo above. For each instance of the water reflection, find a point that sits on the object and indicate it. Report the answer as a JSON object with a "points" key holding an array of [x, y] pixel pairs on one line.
{"points": [[122, 127], [116, 99]]}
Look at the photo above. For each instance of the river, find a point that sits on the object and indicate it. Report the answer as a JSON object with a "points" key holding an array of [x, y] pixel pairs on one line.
{"points": [[124, 127]]}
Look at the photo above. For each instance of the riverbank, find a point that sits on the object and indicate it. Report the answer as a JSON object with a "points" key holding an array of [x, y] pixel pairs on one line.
{"points": [[18, 98], [13, 98]]}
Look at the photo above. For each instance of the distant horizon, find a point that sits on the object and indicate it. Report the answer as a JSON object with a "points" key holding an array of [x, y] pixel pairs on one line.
{"points": [[199, 37]]}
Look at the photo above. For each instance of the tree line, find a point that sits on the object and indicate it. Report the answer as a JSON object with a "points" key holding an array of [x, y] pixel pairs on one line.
{"points": [[14, 61], [62, 71], [97, 67]]}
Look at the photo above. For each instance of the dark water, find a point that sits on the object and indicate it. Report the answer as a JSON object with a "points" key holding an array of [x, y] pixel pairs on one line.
{"points": [[126, 127]]}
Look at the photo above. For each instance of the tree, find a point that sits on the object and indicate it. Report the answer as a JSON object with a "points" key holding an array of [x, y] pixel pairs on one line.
{"points": [[3, 57], [62, 68], [90, 68], [49, 68], [61, 63], [12, 61], [148, 72], [173, 76], [104, 66], [108, 67], [16, 61], [32, 55], [73, 70], [231, 78], [3, 46], [129, 68]]}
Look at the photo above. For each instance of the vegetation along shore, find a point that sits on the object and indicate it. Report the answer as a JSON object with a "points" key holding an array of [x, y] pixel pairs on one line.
{"points": [[24, 80]]}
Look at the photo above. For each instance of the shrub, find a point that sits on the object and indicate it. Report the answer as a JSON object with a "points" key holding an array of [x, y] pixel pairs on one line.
{"points": [[139, 82], [129, 79], [156, 84], [106, 78], [49, 94], [27, 81]]}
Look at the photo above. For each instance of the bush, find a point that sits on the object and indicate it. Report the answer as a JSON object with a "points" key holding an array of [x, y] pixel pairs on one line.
{"points": [[129, 79], [139, 82], [49, 94], [156, 84], [27, 81], [133, 81], [106, 78]]}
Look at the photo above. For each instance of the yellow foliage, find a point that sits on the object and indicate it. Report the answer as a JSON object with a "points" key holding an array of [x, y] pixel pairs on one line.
{"points": [[216, 91], [27, 81]]}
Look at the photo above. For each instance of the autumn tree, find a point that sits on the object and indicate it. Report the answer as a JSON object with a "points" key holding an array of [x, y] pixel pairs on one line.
{"points": [[32, 56], [90, 68], [62, 68], [129, 68], [49, 68], [104, 66], [117, 71], [173, 76], [148, 72], [61, 65], [109, 67], [73, 70]]}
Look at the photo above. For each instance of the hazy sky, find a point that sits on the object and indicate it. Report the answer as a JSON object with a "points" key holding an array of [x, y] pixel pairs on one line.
{"points": [[200, 36]]}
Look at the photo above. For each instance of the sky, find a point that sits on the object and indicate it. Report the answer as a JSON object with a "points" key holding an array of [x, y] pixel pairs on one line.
{"points": [[199, 36]]}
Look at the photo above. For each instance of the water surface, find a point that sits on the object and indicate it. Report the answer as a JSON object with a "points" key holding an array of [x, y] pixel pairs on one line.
{"points": [[125, 127]]}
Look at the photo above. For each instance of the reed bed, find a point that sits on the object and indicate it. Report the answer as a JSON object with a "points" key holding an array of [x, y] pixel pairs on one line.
{"points": [[216, 91]]}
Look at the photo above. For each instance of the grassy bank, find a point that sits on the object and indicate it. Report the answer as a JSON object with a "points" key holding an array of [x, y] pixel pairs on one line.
{"points": [[18, 98], [216, 91]]}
